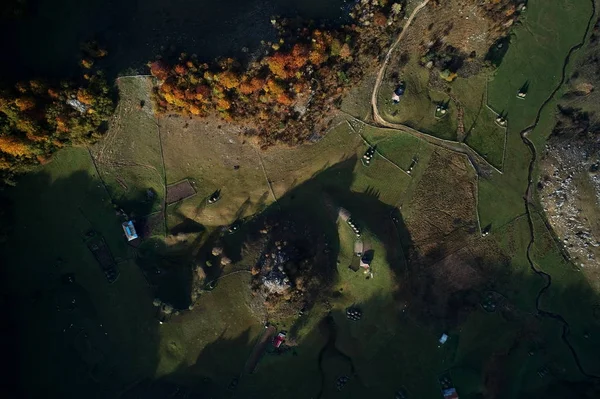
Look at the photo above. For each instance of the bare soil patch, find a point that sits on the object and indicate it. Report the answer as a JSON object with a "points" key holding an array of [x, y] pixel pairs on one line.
{"points": [[461, 24], [179, 191]]}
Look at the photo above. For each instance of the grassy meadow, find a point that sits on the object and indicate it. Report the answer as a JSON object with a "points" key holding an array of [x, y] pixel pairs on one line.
{"points": [[417, 107], [482, 133], [536, 54]]}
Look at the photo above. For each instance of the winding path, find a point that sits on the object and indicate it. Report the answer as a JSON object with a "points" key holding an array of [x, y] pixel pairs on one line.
{"points": [[482, 166]]}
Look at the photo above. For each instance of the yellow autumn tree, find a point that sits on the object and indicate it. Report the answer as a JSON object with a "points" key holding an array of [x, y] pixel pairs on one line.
{"points": [[25, 103], [85, 97], [14, 146], [345, 51], [223, 104], [277, 65], [229, 79], [195, 110]]}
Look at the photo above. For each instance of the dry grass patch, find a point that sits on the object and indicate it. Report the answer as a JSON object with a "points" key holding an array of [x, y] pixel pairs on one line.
{"points": [[217, 157], [442, 211], [129, 159]]}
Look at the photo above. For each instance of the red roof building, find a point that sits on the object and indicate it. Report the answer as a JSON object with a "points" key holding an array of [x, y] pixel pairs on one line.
{"points": [[279, 340]]}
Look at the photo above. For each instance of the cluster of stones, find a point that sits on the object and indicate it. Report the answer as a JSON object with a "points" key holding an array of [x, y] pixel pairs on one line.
{"points": [[560, 196]]}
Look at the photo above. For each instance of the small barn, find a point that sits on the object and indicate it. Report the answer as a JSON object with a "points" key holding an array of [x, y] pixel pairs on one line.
{"points": [[367, 258], [129, 230], [279, 340], [443, 339], [399, 92]]}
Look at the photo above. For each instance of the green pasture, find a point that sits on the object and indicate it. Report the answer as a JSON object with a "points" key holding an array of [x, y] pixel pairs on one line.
{"points": [[417, 106], [536, 54], [482, 133], [535, 57]]}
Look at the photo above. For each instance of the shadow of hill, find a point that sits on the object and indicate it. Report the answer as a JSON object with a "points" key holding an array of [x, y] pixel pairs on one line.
{"points": [[169, 264], [69, 333], [6, 218], [491, 354], [216, 373], [138, 205], [169, 270]]}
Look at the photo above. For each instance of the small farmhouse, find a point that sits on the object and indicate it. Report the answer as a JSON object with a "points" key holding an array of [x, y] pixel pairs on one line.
{"points": [[129, 230], [279, 340]]}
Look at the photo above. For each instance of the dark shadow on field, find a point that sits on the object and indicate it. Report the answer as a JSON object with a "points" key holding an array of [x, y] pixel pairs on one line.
{"points": [[242, 209], [150, 225], [7, 217], [140, 205], [169, 269], [372, 192], [66, 331], [215, 374], [188, 226], [308, 215], [368, 256], [498, 50], [87, 363], [483, 362], [438, 297], [524, 88]]}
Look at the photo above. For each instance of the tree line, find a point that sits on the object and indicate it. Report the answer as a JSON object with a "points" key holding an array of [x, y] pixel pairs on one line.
{"points": [[37, 117], [291, 93]]}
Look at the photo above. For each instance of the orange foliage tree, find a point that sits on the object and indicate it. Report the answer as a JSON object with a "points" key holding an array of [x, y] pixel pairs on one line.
{"points": [[229, 79], [288, 90], [25, 103], [159, 70], [14, 146]]}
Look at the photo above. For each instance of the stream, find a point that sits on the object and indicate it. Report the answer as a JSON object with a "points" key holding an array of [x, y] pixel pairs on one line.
{"points": [[529, 195]]}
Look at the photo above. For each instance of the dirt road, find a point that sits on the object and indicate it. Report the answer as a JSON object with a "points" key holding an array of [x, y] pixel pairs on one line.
{"points": [[388, 56]]}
